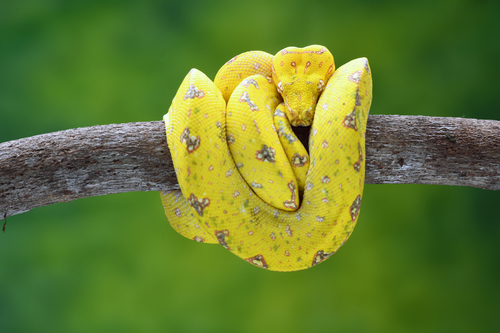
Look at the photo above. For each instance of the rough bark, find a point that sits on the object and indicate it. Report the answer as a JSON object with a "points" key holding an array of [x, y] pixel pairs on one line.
{"points": [[83, 162]]}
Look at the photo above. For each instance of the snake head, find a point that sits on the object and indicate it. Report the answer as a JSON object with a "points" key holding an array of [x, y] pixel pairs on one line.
{"points": [[300, 75]]}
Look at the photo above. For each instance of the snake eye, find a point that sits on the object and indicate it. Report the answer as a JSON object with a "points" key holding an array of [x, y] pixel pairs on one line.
{"points": [[321, 85], [280, 87]]}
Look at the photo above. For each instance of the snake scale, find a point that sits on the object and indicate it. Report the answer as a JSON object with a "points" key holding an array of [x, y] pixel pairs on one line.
{"points": [[246, 182]]}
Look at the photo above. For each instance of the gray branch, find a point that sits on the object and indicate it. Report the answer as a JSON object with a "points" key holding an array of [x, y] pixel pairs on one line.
{"points": [[84, 162]]}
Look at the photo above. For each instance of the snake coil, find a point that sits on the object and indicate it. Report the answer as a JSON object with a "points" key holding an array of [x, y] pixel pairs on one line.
{"points": [[246, 181]]}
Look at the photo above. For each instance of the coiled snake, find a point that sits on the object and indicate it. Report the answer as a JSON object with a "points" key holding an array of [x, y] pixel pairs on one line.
{"points": [[246, 181]]}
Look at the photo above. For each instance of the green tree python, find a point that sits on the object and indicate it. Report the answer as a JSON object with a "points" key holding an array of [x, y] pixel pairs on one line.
{"points": [[246, 181]]}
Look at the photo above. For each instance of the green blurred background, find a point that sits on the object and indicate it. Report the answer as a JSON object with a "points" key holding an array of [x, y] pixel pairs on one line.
{"points": [[422, 258]]}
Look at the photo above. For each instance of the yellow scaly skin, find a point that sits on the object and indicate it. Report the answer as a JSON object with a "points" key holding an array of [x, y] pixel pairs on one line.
{"points": [[219, 156]]}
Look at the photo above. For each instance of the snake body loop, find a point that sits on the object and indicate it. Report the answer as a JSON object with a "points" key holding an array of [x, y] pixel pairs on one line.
{"points": [[246, 182]]}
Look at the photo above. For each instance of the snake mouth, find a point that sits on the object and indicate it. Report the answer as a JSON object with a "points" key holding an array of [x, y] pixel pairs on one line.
{"points": [[302, 118], [302, 113], [301, 123]]}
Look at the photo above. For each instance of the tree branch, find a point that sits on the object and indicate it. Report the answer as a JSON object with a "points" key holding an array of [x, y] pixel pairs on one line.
{"points": [[83, 162]]}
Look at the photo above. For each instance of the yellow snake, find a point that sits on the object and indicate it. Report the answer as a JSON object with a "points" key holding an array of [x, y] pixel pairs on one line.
{"points": [[246, 181]]}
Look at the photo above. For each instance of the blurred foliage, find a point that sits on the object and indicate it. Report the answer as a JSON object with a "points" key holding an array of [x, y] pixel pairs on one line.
{"points": [[423, 258]]}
